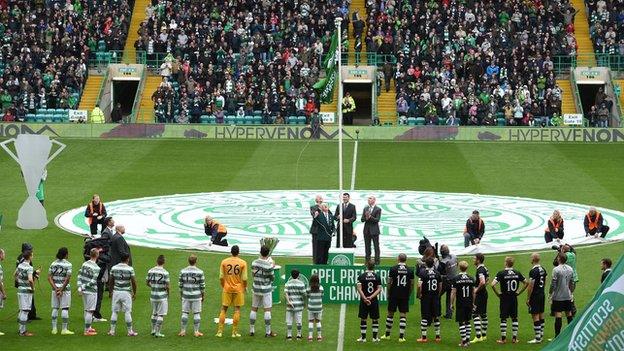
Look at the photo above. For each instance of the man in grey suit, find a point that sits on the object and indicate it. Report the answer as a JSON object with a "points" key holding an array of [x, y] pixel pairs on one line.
{"points": [[325, 224], [371, 217], [350, 216], [314, 211]]}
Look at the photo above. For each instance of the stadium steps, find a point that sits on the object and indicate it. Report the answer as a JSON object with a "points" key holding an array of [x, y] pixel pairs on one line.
{"points": [[361, 6], [581, 33], [620, 82], [333, 106], [146, 108], [91, 92], [138, 16], [386, 106], [567, 98]]}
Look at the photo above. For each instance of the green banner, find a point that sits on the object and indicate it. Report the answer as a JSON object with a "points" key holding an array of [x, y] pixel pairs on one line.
{"points": [[305, 132], [340, 282], [601, 325], [325, 86]]}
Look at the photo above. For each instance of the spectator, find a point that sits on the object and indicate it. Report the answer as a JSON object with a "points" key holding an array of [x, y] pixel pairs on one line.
{"points": [[606, 268], [116, 114]]}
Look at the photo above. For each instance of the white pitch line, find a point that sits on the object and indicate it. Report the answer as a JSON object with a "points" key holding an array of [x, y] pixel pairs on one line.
{"points": [[343, 307]]}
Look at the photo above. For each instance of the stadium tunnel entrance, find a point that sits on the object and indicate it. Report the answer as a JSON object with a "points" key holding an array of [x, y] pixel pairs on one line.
{"points": [[124, 92], [587, 92], [362, 94]]}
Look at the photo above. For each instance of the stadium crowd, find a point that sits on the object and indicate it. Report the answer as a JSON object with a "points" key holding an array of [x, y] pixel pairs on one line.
{"points": [[474, 60], [606, 25], [46, 47], [228, 58]]}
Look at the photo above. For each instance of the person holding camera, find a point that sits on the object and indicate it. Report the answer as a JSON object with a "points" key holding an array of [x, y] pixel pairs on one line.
{"points": [[474, 230], [554, 231], [451, 270]]}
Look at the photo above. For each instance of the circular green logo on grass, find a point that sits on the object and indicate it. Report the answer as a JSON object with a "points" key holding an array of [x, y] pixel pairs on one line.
{"points": [[176, 221]]}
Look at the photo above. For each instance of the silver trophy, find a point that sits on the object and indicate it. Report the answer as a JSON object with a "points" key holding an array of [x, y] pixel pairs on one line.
{"points": [[33, 154]]}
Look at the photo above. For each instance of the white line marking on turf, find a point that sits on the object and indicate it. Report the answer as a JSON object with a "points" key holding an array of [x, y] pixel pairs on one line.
{"points": [[343, 307], [354, 167]]}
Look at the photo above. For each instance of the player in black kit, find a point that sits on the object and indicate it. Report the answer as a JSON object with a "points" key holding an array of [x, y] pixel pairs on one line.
{"points": [[369, 287], [481, 297], [536, 298], [400, 287], [463, 293], [429, 290], [510, 280]]}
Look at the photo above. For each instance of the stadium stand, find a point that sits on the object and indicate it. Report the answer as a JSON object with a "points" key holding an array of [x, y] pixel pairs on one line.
{"points": [[46, 47]]}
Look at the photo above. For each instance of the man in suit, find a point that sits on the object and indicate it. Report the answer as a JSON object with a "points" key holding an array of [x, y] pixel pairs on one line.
{"points": [[119, 246], [349, 215], [371, 217], [314, 211], [109, 230], [325, 225]]}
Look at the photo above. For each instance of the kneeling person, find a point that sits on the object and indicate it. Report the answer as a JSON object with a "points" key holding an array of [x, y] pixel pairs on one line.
{"points": [[122, 284]]}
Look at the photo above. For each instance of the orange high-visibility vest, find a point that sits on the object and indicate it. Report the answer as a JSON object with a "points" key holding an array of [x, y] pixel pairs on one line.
{"points": [[556, 225], [221, 229], [593, 224], [91, 211]]}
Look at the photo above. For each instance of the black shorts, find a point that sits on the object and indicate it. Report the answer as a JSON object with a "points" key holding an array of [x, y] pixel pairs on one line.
{"points": [[463, 314], [430, 307], [561, 306], [369, 311], [536, 304], [508, 306], [481, 303], [402, 304]]}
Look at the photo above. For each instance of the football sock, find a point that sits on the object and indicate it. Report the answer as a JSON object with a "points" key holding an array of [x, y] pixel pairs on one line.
{"points": [[402, 326]]}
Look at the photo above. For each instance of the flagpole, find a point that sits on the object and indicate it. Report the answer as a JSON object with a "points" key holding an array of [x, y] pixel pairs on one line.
{"points": [[338, 22]]}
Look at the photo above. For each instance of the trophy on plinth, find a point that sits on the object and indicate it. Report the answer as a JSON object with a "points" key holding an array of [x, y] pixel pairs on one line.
{"points": [[33, 154]]}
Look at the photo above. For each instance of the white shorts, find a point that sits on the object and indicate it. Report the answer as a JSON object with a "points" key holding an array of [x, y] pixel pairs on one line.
{"points": [[63, 301], [160, 308], [191, 306], [296, 316], [122, 301], [1, 300], [315, 315], [24, 301], [89, 300], [264, 301]]}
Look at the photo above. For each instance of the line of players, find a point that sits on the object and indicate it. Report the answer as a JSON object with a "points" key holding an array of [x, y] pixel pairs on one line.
{"points": [[123, 287], [469, 298]]}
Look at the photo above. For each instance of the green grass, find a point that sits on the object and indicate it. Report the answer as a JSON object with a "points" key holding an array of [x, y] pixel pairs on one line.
{"points": [[123, 169]]}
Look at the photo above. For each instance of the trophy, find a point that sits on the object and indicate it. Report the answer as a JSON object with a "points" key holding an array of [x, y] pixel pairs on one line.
{"points": [[33, 152]]}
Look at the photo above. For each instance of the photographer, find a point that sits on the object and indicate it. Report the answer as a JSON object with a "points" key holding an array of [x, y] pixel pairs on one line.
{"points": [[451, 270], [103, 246]]}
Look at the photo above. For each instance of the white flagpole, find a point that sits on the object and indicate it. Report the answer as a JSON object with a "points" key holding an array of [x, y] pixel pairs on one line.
{"points": [[338, 22]]}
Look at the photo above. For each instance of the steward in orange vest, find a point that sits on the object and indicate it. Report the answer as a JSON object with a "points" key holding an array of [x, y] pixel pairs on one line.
{"points": [[593, 224], [554, 231], [96, 214], [216, 231]]}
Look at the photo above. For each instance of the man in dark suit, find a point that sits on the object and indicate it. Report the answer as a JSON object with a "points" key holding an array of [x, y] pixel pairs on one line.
{"points": [[109, 231], [325, 225], [314, 211], [119, 247], [371, 217], [349, 214]]}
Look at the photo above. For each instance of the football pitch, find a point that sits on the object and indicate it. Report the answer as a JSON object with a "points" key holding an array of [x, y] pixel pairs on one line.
{"points": [[125, 169]]}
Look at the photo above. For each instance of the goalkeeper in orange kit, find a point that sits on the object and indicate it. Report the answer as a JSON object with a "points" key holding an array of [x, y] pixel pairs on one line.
{"points": [[233, 276]]}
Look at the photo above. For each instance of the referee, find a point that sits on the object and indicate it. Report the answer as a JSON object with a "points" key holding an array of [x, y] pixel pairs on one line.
{"points": [[560, 292]]}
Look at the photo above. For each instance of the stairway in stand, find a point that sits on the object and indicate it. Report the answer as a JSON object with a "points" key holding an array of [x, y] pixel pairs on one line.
{"points": [[146, 108], [138, 16], [620, 82], [386, 105], [90, 93], [567, 98], [581, 33], [332, 106], [359, 5]]}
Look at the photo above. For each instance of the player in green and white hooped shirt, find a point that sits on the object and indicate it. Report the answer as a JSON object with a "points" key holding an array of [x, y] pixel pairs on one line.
{"points": [[315, 308], [87, 288], [158, 281], [122, 287], [263, 276], [295, 291], [25, 288], [192, 285], [59, 275], [3, 295]]}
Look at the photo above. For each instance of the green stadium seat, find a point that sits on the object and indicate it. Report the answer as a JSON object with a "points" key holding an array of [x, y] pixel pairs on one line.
{"points": [[420, 121], [240, 120], [230, 119], [248, 119], [212, 119], [39, 118], [501, 122], [257, 119], [411, 121], [301, 120], [31, 117], [257, 113], [48, 118], [441, 121], [203, 119], [40, 111]]}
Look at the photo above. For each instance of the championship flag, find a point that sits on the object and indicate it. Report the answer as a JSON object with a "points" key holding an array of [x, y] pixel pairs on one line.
{"points": [[601, 325], [325, 86]]}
